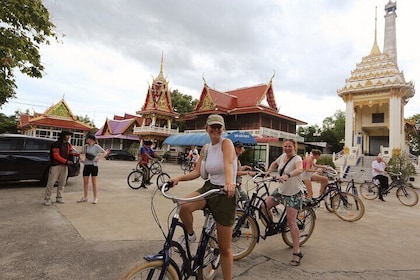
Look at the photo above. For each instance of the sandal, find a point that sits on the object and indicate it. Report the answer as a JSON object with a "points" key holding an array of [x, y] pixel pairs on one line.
{"points": [[296, 262]]}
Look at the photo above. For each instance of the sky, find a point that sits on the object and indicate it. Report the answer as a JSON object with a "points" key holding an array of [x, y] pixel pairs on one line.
{"points": [[111, 50]]}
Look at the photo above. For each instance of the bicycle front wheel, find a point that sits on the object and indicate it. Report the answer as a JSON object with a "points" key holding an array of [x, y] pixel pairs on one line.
{"points": [[407, 196], [348, 207], [155, 168], [135, 179], [211, 259], [245, 235], [369, 190], [151, 270], [328, 201], [306, 224]]}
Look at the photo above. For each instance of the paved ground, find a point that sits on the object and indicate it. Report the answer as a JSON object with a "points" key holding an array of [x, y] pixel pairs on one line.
{"points": [[87, 241]]}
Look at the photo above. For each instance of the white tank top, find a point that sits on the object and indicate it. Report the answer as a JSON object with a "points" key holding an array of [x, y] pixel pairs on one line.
{"points": [[214, 165]]}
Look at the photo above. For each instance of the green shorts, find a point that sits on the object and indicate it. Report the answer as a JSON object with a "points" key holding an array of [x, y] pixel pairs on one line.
{"points": [[294, 201], [222, 207]]}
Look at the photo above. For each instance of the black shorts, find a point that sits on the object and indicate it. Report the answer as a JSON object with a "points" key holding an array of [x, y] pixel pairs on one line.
{"points": [[90, 170]]}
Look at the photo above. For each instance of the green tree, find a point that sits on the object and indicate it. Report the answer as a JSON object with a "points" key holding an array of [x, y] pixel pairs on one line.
{"points": [[412, 135], [309, 133], [86, 120], [8, 124], [333, 129], [24, 26], [182, 104]]}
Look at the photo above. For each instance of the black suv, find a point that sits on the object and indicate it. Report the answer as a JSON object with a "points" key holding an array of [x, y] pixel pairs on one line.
{"points": [[119, 154], [24, 157]]}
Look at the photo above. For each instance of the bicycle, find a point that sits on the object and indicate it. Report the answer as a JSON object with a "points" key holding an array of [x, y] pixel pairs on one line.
{"points": [[405, 191], [345, 205], [187, 166], [203, 265], [136, 177], [247, 232]]}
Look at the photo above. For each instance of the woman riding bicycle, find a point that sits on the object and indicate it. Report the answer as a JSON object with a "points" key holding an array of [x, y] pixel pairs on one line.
{"points": [[289, 192], [218, 162]]}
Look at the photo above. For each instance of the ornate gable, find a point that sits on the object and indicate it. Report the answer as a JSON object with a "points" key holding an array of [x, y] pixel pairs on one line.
{"points": [[61, 110]]}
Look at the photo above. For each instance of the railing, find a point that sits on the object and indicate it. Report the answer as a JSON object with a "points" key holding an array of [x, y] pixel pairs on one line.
{"points": [[154, 129], [262, 132]]}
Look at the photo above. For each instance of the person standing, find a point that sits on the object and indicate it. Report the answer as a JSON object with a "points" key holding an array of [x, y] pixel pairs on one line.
{"points": [[91, 153], [218, 164], [60, 157], [289, 192], [378, 172]]}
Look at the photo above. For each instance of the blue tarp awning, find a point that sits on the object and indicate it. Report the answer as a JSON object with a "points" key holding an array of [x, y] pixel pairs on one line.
{"points": [[189, 139], [200, 139]]}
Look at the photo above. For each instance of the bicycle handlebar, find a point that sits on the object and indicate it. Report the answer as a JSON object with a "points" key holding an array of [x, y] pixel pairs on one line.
{"points": [[395, 174], [165, 187]]}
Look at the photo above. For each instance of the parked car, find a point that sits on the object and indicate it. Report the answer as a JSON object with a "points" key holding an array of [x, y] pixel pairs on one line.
{"points": [[119, 154], [24, 157]]}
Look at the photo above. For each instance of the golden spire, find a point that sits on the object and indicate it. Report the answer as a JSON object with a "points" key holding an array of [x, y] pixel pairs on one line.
{"points": [[375, 49]]}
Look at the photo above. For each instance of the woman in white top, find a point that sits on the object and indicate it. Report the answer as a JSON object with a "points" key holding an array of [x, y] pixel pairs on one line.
{"points": [[289, 192], [217, 161]]}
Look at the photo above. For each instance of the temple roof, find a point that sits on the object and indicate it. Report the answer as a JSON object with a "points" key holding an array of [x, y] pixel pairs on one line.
{"points": [[58, 115], [375, 72], [254, 99]]}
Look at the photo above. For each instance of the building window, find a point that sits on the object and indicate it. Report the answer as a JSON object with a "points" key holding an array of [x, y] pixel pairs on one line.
{"points": [[378, 118]]}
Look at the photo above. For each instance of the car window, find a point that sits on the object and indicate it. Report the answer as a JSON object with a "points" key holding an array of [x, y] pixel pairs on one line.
{"points": [[35, 144], [8, 144]]}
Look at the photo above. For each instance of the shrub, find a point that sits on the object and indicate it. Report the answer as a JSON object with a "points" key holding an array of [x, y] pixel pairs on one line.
{"points": [[402, 164]]}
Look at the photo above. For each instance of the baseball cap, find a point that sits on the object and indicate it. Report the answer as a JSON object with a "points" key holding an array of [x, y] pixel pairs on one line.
{"points": [[215, 119], [238, 144]]}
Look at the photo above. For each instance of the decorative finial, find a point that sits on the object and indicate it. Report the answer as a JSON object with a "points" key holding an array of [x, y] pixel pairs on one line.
{"points": [[202, 76], [375, 48], [161, 63], [274, 74]]}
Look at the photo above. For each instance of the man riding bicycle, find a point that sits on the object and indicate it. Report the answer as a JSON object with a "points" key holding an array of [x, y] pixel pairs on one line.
{"points": [[147, 154], [378, 172]]}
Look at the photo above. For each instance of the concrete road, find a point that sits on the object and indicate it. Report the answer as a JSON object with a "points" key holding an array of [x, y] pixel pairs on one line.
{"points": [[87, 241]]}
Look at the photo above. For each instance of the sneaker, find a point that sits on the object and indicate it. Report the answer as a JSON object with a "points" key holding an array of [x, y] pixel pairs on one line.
{"points": [[191, 238], [83, 199], [47, 202], [59, 200], [95, 201]]}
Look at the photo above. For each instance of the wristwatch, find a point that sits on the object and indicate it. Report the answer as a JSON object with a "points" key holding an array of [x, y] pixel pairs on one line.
{"points": [[288, 175]]}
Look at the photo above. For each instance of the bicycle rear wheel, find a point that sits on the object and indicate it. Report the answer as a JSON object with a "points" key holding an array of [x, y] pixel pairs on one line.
{"points": [[407, 196], [135, 179], [151, 270], [369, 190], [348, 207], [245, 235], [306, 224]]}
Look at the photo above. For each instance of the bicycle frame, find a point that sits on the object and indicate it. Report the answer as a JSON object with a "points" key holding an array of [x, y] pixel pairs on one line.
{"points": [[254, 205], [190, 264]]}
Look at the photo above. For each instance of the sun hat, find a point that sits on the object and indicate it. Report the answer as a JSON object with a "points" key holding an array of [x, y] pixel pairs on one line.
{"points": [[215, 119]]}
